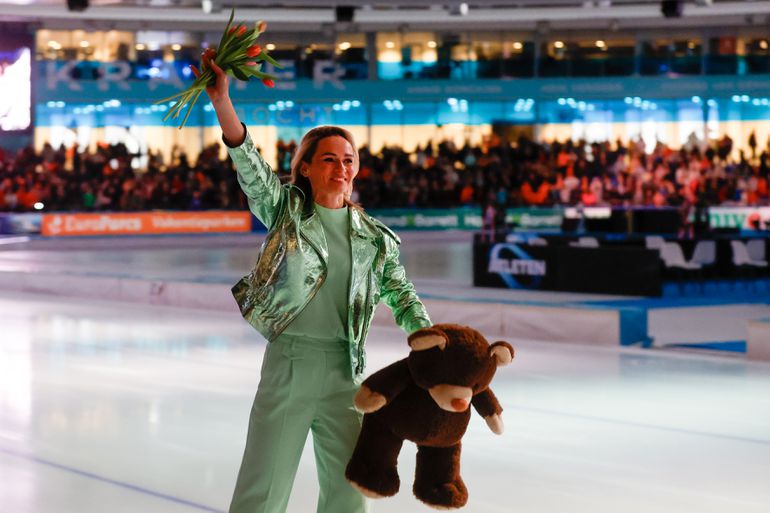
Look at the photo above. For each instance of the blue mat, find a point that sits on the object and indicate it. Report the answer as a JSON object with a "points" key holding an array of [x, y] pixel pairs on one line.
{"points": [[710, 293], [732, 346]]}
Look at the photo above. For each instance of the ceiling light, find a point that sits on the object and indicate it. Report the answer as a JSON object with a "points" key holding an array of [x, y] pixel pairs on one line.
{"points": [[176, 47], [517, 45], [140, 46], [84, 44], [600, 44], [390, 44], [344, 45], [209, 6], [558, 44], [432, 44], [763, 44], [270, 47]]}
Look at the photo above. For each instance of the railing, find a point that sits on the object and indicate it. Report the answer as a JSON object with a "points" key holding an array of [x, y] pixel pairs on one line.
{"points": [[463, 218]]}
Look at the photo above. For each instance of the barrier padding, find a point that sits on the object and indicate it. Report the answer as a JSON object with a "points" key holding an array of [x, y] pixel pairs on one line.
{"points": [[521, 321], [182, 294], [576, 323], [758, 341]]}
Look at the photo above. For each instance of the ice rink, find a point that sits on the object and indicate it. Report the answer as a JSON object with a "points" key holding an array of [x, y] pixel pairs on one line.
{"points": [[132, 407]]}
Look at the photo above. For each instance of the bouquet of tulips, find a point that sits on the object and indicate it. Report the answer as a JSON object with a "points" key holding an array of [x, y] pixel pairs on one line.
{"points": [[238, 55]]}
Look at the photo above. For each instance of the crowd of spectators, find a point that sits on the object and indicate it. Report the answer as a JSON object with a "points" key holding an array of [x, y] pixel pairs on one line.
{"points": [[104, 180], [506, 173]]}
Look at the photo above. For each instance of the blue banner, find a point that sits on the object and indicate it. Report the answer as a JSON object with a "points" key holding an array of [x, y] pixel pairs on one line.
{"points": [[120, 94], [120, 80]]}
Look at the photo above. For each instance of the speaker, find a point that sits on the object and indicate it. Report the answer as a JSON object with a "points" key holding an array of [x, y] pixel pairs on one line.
{"points": [[344, 13], [77, 5], [671, 8]]}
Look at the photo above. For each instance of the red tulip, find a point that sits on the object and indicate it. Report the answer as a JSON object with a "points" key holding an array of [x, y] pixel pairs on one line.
{"points": [[253, 50], [241, 30], [268, 82], [251, 63]]}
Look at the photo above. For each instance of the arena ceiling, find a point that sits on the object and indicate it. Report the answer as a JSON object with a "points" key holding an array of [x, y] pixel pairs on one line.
{"points": [[313, 16]]}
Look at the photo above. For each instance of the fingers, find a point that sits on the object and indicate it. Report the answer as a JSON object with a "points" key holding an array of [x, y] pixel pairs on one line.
{"points": [[207, 57], [215, 67], [209, 53], [208, 62]]}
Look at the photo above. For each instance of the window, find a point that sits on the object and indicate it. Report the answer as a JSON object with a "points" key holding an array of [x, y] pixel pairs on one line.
{"points": [[663, 56]]}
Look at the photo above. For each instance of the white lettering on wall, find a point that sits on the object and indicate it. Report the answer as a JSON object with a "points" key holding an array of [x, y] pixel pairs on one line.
{"points": [[517, 267], [328, 71]]}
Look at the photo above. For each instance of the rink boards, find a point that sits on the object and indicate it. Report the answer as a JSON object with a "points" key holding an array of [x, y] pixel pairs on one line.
{"points": [[197, 272]]}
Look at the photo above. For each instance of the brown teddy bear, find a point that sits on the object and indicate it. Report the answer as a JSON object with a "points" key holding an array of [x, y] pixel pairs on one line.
{"points": [[425, 398]]}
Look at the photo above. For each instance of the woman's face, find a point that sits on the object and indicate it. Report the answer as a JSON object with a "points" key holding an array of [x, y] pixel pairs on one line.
{"points": [[333, 167]]}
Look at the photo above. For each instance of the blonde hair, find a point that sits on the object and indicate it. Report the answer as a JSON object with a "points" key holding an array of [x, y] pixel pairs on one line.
{"points": [[305, 152]]}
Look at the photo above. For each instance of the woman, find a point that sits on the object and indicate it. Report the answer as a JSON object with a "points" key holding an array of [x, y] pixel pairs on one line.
{"points": [[321, 271]]}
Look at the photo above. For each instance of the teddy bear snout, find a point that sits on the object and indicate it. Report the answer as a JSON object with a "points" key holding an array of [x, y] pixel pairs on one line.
{"points": [[451, 397], [460, 404]]}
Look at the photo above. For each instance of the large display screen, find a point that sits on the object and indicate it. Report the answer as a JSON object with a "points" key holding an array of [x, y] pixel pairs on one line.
{"points": [[15, 83]]}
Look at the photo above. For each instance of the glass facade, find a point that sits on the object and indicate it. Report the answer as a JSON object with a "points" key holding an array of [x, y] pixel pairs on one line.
{"points": [[421, 86], [430, 55], [671, 56]]}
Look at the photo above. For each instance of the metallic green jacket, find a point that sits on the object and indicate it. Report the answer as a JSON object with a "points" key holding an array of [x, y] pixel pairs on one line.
{"points": [[291, 265]]}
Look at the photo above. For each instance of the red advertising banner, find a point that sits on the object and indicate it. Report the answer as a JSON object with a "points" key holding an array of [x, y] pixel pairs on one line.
{"points": [[143, 223]]}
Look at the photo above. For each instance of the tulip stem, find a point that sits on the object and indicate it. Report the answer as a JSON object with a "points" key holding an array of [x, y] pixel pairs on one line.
{"points": [[190, 108]]}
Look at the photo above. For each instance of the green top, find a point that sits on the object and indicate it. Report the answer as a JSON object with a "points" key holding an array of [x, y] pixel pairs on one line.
{"points": [[326, 316]]}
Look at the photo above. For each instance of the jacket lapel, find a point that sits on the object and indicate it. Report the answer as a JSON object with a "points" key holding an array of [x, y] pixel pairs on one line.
{"points": [[363, 246], [312, 231]]}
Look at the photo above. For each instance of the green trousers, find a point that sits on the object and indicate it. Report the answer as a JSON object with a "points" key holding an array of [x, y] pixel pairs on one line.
{"points": [[305, 385]]}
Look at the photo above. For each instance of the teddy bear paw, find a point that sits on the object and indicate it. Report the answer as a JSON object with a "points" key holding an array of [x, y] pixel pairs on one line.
{"points": [[366, 492], [495, 423], [376, 486], [368, 401], [443, 496]]}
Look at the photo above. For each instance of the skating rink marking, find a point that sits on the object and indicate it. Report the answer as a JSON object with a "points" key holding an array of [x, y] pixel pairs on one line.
{"points": [[114, 482], [639, 425]]}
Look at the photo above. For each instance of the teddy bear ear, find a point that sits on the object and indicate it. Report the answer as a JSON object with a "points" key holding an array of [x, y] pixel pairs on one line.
{"points": [[427, 338], [502, 352]]}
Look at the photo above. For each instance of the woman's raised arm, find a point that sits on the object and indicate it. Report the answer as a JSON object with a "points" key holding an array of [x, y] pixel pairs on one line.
{"points": [[257, 180], [220, 98]]}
